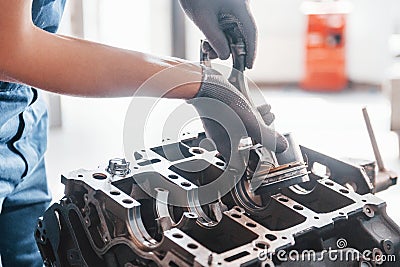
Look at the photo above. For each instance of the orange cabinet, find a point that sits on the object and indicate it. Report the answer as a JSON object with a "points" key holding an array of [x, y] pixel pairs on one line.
{"points": [[325, 56]]}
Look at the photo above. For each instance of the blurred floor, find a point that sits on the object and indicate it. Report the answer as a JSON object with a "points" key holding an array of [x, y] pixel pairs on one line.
{"points": [[330, 123]]}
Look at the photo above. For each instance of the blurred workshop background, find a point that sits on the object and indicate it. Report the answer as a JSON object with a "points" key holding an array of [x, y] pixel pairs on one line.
{"points": [[318, 65]]}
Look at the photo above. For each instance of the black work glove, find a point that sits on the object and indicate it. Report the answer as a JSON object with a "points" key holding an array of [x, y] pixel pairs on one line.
{"points": [[228, 116], [208, 14]]}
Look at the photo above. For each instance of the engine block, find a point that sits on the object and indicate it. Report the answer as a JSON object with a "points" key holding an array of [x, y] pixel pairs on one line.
{"points": [[150, 213]]}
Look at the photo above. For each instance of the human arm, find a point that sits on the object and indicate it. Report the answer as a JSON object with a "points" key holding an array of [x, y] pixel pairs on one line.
{"points": [[72, 66]]}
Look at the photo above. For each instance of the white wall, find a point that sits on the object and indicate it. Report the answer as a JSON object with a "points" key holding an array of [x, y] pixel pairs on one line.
{"points": [[280, 52], [369, 28], [136, 25]]}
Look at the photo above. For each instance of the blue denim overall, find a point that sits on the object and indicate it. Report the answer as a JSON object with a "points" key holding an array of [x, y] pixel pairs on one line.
{"points": [[24, 194]]}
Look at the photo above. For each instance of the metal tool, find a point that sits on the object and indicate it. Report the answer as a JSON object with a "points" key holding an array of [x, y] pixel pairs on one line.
{"points": [[238, 50], [384, 178], [265, 160]]}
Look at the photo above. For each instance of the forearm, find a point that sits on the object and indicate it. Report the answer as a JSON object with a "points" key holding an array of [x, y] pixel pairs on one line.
{"points": [[77, 67], [5, 78]]}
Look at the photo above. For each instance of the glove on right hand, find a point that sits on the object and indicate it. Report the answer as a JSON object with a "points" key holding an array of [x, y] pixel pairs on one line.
{"points": [[222, 107]]}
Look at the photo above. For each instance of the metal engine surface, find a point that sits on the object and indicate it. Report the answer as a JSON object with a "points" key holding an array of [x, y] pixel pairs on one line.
{"points": [[109, 220]]}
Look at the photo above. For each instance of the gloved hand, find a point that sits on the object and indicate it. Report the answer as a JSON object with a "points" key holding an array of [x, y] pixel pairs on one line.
{"points": [[228, 116], [207, 14]]}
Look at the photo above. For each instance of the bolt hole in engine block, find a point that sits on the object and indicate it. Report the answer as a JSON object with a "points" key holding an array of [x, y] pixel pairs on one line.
{"points": [[99, 176], [156, 216]]}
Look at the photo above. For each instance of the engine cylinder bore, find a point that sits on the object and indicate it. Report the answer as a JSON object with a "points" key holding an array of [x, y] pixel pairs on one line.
{"points": [[244, 196], [149, 218]]}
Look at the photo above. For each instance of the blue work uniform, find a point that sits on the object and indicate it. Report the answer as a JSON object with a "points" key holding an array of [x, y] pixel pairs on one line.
{"points": [[24, 194]]}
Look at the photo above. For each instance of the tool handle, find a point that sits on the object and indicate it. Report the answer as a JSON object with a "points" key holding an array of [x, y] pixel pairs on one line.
{"points": [[372, 138], [231, 27]]}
